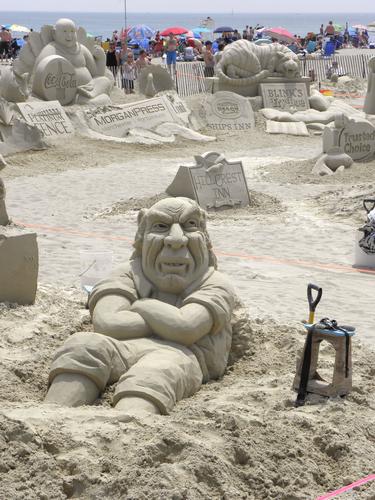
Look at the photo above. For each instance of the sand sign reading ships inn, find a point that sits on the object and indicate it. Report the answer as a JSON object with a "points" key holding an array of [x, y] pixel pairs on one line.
{"points": [[213, 182]]}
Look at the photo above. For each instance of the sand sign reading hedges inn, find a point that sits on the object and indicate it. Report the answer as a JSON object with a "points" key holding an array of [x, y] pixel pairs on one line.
{"points": [[213, 182], [49, 117]]}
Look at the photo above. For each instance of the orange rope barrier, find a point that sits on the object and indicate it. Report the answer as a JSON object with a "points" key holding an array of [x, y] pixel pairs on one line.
{"points": [[265, 258]]}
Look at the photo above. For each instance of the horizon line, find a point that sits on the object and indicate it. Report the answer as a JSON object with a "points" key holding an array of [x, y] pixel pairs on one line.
{"points": [[184, 12]]}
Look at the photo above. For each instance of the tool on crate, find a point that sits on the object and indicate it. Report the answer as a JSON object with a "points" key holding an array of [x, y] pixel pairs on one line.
{"points": [[339, 337], [313, 302]]}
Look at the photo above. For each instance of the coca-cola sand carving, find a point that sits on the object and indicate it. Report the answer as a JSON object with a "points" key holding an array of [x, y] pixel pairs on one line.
{"points": [[65, 65]]}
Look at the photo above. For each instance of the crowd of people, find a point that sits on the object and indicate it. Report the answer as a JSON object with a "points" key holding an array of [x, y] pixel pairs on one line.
{"points": [[128, 57]]}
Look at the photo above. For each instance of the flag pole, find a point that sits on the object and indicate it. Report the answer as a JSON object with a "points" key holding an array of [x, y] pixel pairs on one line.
{"points": [[126, 22]]}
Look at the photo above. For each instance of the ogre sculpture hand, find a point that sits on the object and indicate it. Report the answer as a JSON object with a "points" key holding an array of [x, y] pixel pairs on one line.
{"points": [[66, 65], [161, 322]]}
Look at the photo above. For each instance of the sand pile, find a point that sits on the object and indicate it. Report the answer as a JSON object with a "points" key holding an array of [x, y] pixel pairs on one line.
{"points": [[347, 203], [260, 203], [240, 437]]}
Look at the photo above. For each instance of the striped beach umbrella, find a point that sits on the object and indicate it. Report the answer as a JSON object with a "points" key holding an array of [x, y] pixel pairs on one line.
{"points": [[17, 28]]}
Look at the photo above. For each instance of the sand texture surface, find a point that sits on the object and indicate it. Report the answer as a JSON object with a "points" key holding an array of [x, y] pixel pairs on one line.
{"points": [[240, 437]]}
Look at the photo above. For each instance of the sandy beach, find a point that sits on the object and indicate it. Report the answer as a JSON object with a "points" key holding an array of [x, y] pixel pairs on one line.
{"points": [[240, 437]]}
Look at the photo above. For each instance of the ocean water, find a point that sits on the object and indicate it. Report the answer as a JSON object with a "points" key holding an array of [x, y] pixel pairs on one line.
{"points": [[99, 23]]}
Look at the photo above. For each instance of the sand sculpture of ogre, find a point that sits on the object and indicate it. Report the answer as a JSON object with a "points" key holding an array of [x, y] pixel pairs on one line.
{"points": [[243, 63], [66, 65], [161, 322]]}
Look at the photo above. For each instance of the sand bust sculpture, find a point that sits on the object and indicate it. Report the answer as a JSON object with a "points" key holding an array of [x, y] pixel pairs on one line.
{"points": [[162, 322], [65, 65]]}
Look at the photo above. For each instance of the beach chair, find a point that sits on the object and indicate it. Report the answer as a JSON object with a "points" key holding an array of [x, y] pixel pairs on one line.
{"points": [[311, 47], [329, 49]]}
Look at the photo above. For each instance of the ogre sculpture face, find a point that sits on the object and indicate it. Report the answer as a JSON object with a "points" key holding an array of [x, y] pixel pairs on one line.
{"points": [[66, 33], [174, 245]]}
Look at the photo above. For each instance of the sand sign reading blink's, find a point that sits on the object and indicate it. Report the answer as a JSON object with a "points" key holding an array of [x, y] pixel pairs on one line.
{"points": [[365, 241], [307, 379], [213, 181]]}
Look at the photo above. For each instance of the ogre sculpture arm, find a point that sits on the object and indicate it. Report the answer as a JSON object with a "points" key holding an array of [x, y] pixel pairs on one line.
{"points": [[185, 325], [112, 317]]}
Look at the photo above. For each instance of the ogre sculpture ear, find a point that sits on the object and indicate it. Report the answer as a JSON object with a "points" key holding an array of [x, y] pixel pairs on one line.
{"points": [[141, 215]]}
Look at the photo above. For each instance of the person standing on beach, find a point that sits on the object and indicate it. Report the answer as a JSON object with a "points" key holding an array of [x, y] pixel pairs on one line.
{"points": [[142, 61], [171, 50], [5, 41], [112, 59], [330, 29], [128, 74], [209, 60]]}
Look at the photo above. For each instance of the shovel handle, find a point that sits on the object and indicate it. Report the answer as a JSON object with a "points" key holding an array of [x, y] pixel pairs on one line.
{"points": [[366, 204], [313, 302]]}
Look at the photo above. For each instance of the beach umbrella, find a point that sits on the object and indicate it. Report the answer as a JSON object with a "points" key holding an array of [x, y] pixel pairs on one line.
{"points": [[224, 29], [144, 43], [17, 28], [338, 28], [196, 34], [280, 34], [200, 29], [188, 34], [141, 31], [197, 43], [361, 27], [175, 30], [263, 41]]}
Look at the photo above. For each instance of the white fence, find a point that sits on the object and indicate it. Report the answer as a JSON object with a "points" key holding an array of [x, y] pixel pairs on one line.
{"points": [[190, 78], [355, 65]]}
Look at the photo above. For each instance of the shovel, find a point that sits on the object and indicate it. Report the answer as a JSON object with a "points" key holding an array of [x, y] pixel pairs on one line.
{"points": [[313, 302], [369, 204]]}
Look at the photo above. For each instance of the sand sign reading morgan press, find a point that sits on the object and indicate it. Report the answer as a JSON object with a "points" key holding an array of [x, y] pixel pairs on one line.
{"points": [[213, 182]]}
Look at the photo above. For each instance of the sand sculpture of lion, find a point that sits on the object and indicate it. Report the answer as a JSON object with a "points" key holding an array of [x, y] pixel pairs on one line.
{"points": [[244, 63]]}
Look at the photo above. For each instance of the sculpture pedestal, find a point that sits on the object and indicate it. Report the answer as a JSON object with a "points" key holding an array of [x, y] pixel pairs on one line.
{"points": [[341, 383], [18, 265], [215, 84], [361, 258]]}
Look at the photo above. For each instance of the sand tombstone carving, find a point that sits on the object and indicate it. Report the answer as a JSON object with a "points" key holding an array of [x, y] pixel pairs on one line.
{"points": [[18, 259], [65, 65], [162, 322]]}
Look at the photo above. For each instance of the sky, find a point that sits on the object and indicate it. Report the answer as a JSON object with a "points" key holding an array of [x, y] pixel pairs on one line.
{"points": [[207, 6]]}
